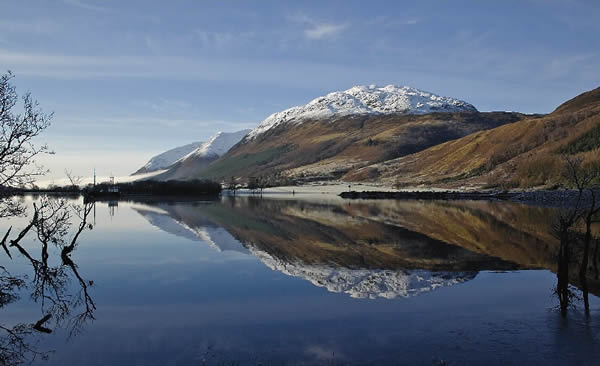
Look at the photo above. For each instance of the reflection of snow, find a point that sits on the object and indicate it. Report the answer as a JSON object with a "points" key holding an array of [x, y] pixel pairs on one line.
{"points": [[166, 223], [366, 283], [216, 237], [220, 239]]}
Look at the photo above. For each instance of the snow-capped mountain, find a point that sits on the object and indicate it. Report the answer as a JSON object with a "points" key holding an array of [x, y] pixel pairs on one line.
{"points": [[194, 155], [366, 283], [370, 99], [191, 165], [217, 145], [167, 158]]}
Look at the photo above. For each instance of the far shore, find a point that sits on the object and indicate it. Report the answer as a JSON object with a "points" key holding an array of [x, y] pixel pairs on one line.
{"points": [[319, 191]]}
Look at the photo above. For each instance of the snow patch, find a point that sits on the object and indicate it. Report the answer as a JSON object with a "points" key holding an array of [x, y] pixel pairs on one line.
{"points": [[216, 237], [167, 158], [217, 146], [370, 99]]}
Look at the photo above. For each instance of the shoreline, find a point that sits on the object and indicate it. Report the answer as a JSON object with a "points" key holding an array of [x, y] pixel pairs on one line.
{"points": [[548, 198]]}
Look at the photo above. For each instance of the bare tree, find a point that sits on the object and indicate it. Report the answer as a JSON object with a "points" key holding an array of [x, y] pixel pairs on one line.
{"points": [[232, 185], [583, 210], [75, 180], [50, 284], [50, 222], [585, 180], [17, 132]]}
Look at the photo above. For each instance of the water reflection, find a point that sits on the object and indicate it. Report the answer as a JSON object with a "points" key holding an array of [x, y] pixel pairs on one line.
{"points": [[164, 297], [374, 249], [61, 304]]}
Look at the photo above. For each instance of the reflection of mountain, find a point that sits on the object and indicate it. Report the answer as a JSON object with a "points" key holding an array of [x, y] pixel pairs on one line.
{"points": [[374, 248], [215, 236], [332, 246]]}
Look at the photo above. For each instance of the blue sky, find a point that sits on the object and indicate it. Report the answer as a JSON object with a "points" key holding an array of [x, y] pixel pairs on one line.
{"points": [[129, 79]]}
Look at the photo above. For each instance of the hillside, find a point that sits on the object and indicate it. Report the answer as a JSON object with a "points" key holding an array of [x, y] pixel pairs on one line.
{"points": [[167, 158], [327, 149], [525, 153], [202, 155], [343, 131]]}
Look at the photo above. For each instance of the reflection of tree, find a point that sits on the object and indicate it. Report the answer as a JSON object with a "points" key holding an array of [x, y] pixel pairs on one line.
{"points": [[51, 223], [567, 228]]}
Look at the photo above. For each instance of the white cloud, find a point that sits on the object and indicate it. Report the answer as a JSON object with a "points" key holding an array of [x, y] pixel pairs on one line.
{"points": [[35, 27], [411, 21], [164, 105], [387, 22], [217, 39], [321, 31], [83, 5], [156, 67], [565, 66], [316, 29], [152, 44]]}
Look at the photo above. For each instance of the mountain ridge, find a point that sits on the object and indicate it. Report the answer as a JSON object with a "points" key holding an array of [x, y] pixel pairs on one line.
{"points": [[362, 99], [343, 131], [167, 158], [522, 154], [199, 152]]}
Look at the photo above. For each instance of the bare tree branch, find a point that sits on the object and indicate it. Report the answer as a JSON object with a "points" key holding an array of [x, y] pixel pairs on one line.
{"points": [[17, 132]]}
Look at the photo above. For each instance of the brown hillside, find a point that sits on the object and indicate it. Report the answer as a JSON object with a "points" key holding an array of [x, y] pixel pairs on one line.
{"points": [[525, 153], [580, 101], [325, 149]]}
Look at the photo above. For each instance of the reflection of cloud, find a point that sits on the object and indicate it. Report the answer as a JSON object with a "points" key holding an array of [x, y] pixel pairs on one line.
{"points": [[321, 353]]}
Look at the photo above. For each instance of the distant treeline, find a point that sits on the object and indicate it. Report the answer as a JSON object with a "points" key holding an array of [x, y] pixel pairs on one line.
{"points": [[172, 187], [146, 187]]}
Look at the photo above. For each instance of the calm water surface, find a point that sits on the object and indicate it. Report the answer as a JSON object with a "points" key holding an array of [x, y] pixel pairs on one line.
{"points": [[300, 282]]}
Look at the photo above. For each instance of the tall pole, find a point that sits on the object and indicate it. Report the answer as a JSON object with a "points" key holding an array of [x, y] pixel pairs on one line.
{"points": [[94, 176]]}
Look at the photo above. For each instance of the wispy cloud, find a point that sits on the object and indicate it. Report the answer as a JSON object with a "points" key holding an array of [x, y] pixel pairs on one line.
{"points": [[321, 31], [62, 66], [164, 105], [392, 22], [567, 65], [208, 38], [411, 21], [83, 5], [317, 30], [152, 44], [128, 122], [35, 27]]}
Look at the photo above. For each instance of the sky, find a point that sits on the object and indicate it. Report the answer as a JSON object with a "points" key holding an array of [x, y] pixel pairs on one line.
{"points": [[129, 79]]}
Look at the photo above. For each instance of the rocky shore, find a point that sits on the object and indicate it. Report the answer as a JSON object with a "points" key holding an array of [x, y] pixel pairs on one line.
{"points": [[551, 198]]}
